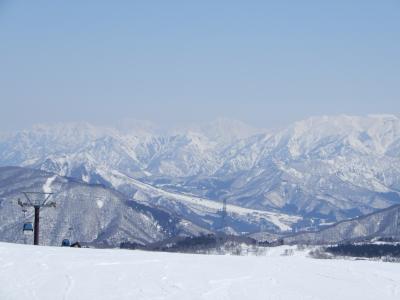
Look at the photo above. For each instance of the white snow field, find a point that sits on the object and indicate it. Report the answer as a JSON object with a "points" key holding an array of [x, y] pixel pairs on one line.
{"points": [[29, 272]]}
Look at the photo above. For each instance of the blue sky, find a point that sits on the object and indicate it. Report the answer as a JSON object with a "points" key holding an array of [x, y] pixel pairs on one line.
{"points": [[267, 63]]}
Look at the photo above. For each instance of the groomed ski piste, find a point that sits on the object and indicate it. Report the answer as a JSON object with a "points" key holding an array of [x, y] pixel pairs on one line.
{"points": [[37, 272]]}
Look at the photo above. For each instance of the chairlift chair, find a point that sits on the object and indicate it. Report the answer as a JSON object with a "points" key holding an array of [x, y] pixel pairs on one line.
{"points": [[27, 228], [65, 243]]}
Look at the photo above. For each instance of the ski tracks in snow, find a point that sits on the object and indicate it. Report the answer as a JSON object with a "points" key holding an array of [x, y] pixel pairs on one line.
{"points": [[68, 287]]}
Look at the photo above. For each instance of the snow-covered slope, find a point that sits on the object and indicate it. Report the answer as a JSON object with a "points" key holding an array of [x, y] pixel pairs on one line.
{"points": [[201, 206], [28, 272], [85, 213], [382, 224]]}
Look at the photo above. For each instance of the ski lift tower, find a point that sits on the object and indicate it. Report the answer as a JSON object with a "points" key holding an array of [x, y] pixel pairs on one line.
{"points": [[223, 215], [37, 200]]}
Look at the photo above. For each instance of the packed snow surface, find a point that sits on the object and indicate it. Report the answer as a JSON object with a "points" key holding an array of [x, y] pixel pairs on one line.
{"points": [[28, 272]]}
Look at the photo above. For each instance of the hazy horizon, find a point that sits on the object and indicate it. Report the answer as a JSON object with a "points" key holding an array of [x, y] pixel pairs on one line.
{"points": [[266, 63], [130, 123]]}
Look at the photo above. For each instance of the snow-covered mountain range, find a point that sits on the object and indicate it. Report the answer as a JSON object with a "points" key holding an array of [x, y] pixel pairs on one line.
{"points": [[319, 170]]}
